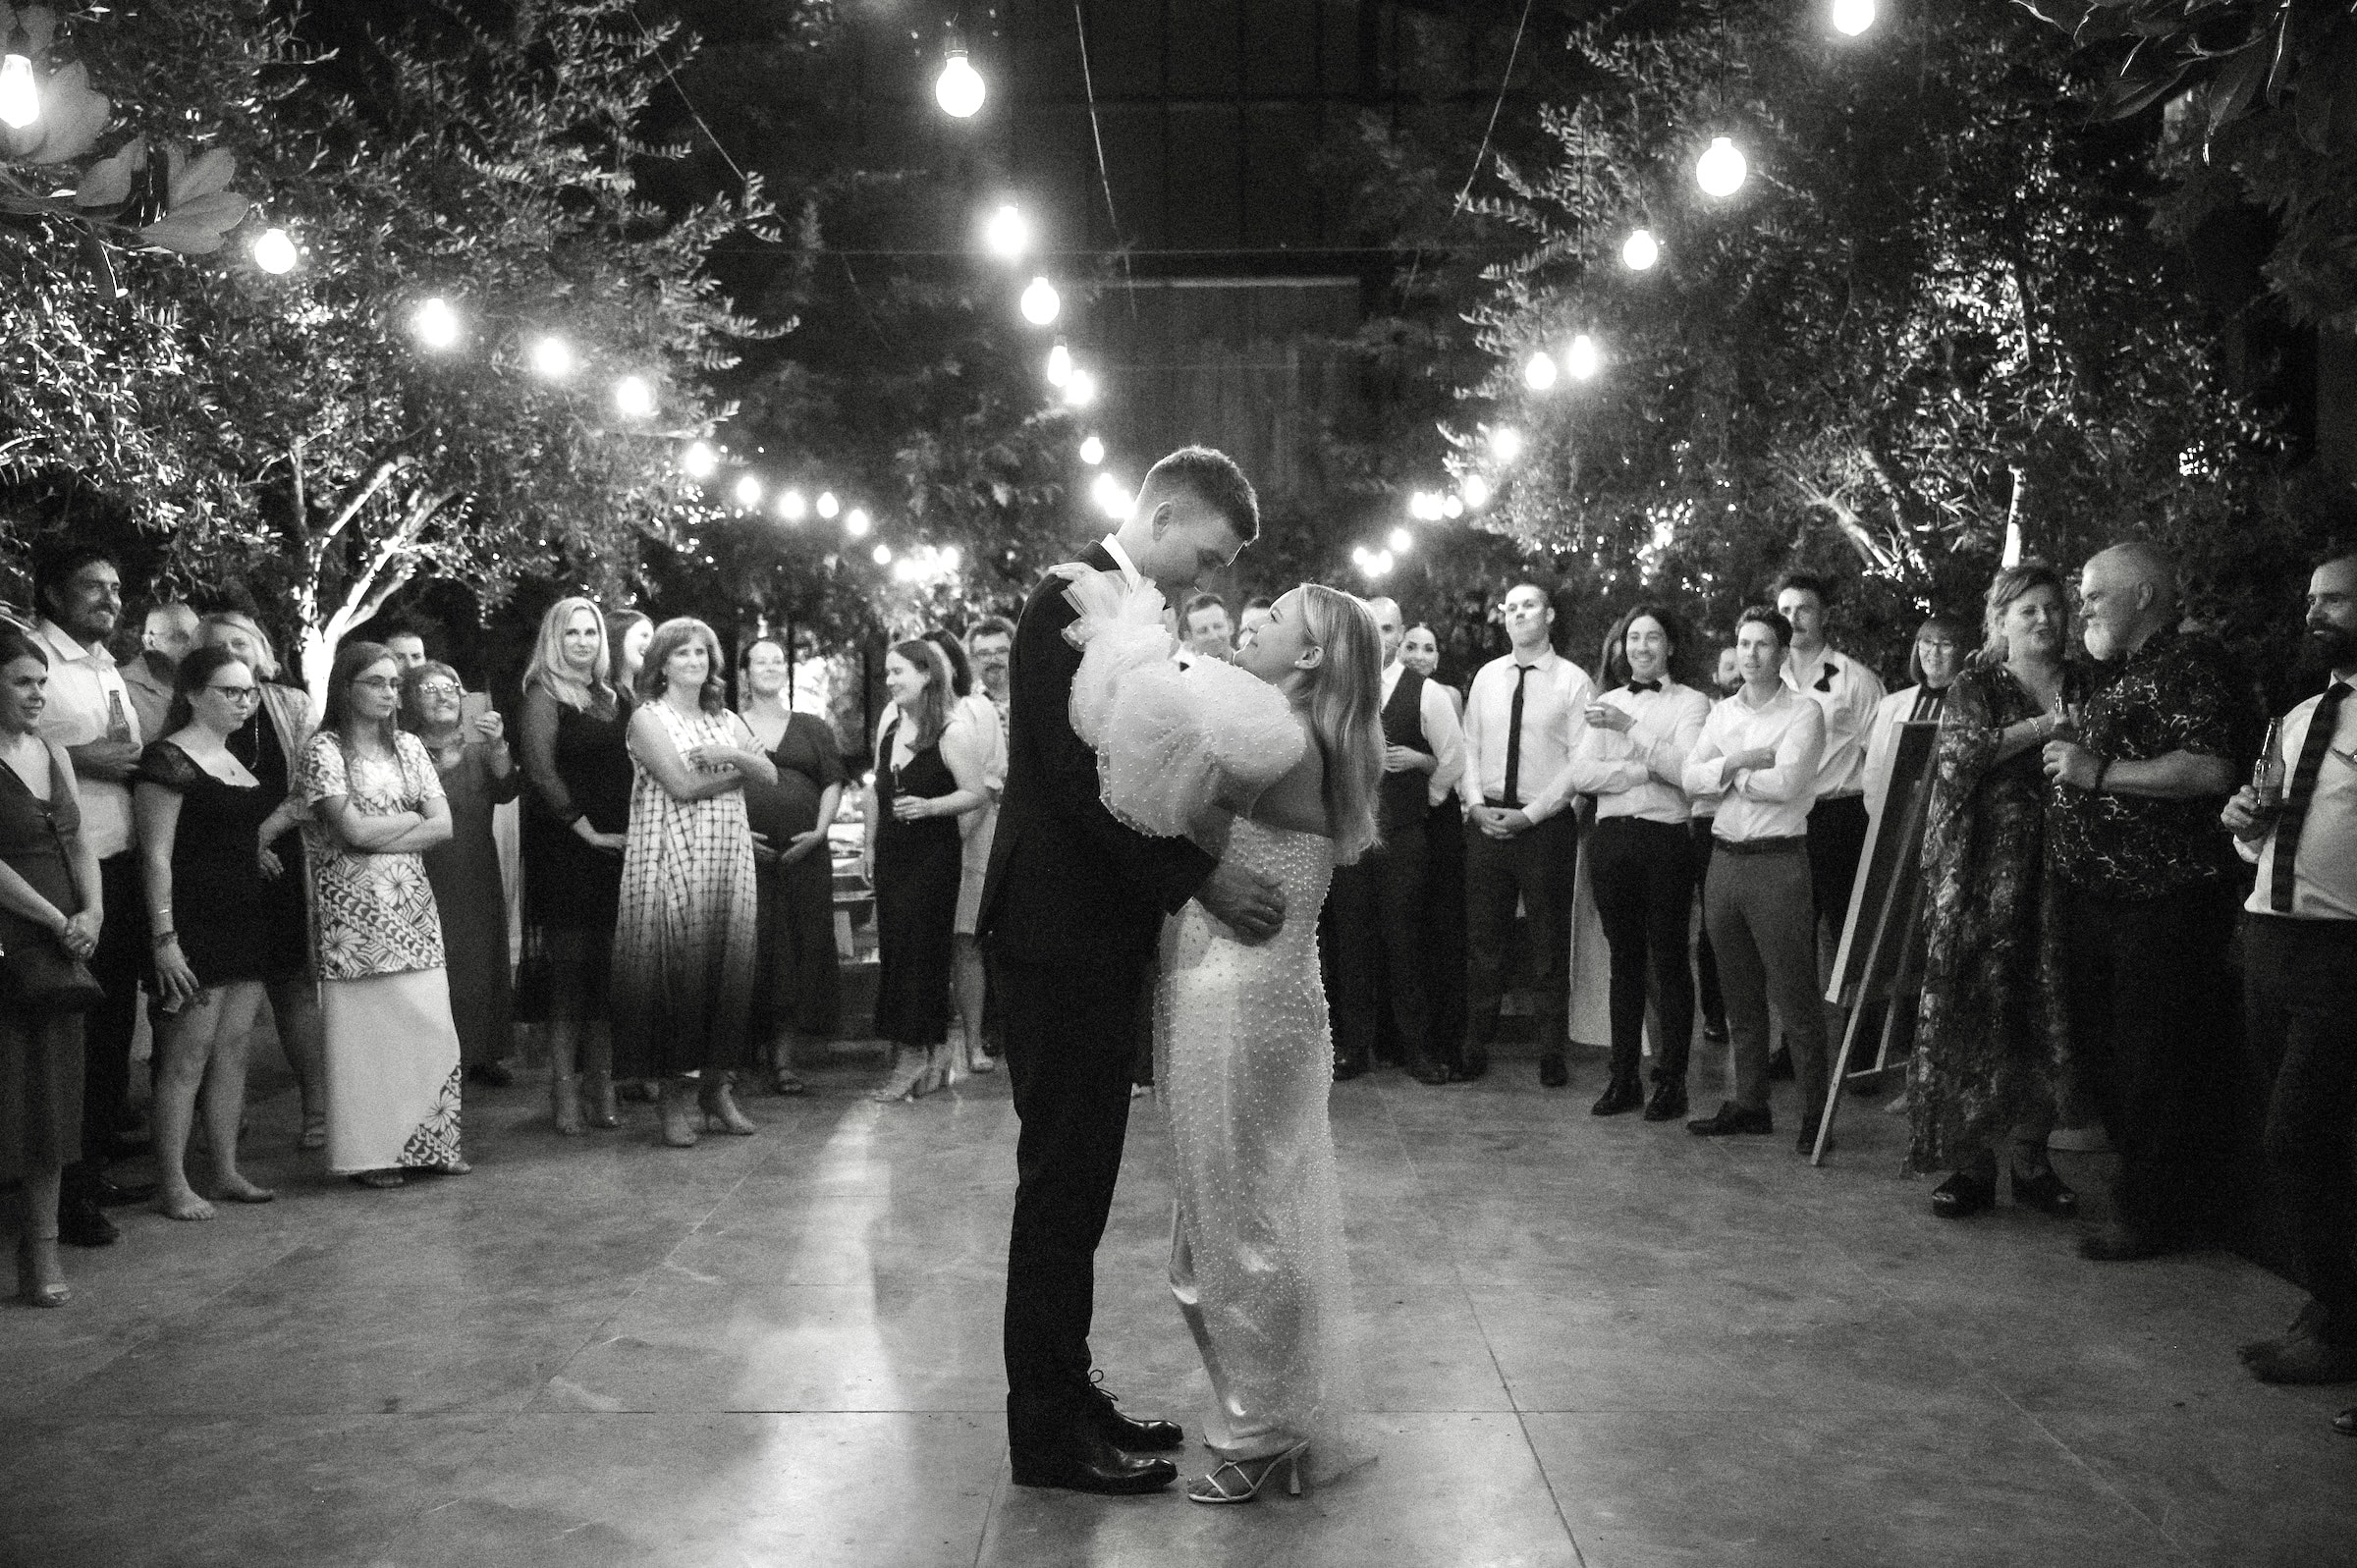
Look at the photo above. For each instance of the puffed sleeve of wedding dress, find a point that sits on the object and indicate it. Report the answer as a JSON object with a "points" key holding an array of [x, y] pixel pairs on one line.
{"points": [[1169, 741]]}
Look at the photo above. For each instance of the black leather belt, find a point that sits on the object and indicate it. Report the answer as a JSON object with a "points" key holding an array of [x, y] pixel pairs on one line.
{"points": [[1795, 846]]}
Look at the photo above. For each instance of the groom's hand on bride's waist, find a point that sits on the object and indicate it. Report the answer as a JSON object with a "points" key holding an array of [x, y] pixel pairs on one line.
{"points": [[1247, 901]]}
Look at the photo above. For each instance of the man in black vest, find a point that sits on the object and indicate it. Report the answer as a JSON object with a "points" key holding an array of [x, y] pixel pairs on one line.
{"points": [[1377, 903], [1071, 909]]}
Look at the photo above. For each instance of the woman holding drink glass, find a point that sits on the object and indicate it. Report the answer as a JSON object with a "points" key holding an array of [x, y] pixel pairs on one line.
{"points": [[1992, 1037]]}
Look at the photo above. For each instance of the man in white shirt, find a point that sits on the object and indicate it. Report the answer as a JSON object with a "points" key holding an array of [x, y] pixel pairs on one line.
{"points": [[1641, 730], [1377, 905], [1848, 692], [2299, 984], [1758, 758], [1523, 719], [89, 711], [1204, 630]]}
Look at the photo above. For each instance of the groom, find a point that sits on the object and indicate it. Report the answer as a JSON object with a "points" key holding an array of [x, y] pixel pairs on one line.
{"points": [[1070, 911]]}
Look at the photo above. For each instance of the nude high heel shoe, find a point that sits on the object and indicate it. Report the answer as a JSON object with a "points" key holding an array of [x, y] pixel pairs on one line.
{"points": [[1240, 1480], [598, 1089], [678, 1130], [40, 1282], [720, 1108]]}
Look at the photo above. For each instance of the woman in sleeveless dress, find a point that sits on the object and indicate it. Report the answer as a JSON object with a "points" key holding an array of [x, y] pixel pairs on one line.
{"points": [[685, 943], [798, 987], [1286, 742], [929, 774]]}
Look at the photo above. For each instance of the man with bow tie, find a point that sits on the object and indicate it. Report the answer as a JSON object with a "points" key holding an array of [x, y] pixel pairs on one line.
{"points": [[1848, 693]]}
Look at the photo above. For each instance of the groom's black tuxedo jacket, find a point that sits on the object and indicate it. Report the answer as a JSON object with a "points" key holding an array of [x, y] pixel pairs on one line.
{"points": [[1069, 884]]}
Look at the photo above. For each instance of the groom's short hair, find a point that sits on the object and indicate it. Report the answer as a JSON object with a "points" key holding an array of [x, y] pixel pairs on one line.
{"points": [[1213, 478]]}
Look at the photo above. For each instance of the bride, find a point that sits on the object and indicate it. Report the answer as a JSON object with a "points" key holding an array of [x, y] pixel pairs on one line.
{"points": [[1272, 761]]}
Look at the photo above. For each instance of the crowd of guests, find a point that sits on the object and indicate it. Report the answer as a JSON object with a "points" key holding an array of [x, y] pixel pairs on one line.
{"points": [[179, 824]]}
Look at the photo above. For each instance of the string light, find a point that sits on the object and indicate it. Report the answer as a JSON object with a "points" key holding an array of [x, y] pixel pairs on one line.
{"points": [[960, 88], [1059, 364], [699, 461], [1080, 390], [1584, 359], [1092, 451], [952, 557], [435, 323], [748, 492], [1451, 507], [274, 251], [1538, 372], [1424, 505], [1402, 541], [1008, 233], [552, 356], [1505, 443], [881, 555], [828, 505], [1640, 250], [855, 522], [20, 95], [1040, 302], [633, 396], [1852, 16], [1110, 495], [1476, 491], [792, 506], [1721, 170], [907, 570]]}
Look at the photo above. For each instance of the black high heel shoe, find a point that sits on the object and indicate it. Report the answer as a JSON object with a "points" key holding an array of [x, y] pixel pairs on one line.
{"points": [[1963, 1195], [2045, 1192]]}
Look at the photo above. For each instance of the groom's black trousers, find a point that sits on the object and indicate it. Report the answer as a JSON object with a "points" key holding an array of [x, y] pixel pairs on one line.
{"points": [[1069, 1042]]}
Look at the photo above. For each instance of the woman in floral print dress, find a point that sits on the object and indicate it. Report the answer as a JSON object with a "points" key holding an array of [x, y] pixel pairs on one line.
{"points": [[392, 1048]]}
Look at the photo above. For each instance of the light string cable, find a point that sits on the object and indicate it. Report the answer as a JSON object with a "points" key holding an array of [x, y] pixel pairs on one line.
{"points": [[686, 103], [1505, 81], [1096, 131]]}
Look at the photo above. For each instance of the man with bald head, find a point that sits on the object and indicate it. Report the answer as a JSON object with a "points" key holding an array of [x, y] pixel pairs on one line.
{"points": [[2137, 795], [165, 639], [1377, 904]]}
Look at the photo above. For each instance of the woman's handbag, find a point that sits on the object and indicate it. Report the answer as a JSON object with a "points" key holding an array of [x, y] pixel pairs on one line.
{"points": [[38, 977]]}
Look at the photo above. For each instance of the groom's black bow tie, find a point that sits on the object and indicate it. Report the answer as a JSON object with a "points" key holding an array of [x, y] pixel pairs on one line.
{"points": [[1824, 682], [1644, 685]]}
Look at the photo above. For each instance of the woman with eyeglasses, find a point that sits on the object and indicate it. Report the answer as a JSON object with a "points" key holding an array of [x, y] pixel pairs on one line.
{"points": [[377, 805], [478, 773], [205, 823]]}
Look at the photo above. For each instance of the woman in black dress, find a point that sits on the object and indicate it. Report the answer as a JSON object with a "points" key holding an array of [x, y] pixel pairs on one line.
{"points": [[798, 988], [268, 744], [912, 853], [576, 822], [48, 893], [205, 822]]}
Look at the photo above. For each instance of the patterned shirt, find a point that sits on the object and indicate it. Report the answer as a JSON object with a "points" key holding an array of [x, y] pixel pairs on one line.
{"points": [[374, 913], [2175, 693]]}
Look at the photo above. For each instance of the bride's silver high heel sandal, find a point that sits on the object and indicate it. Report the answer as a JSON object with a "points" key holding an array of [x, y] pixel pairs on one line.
{"points": [[1240, 1480]]}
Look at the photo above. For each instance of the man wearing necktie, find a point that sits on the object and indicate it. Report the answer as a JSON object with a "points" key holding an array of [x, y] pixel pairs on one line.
{"points": [[2299, 985], [1523, 719]]}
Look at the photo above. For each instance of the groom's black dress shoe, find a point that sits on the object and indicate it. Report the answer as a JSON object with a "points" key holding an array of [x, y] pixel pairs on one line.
{"points": [[1086, 1462], [1130, 1435]]}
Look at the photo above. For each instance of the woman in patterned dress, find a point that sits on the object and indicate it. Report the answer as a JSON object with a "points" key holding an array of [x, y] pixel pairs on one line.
{"points": [[1991, 1031], [685, 941], [392, 1049]]}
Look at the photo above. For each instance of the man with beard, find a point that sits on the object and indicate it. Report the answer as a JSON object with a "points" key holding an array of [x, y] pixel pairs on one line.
{"points": [[2135, 799], [2299, 984]]}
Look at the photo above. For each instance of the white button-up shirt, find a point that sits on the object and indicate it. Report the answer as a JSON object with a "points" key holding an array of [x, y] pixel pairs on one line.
{"points": [[1762, 802], [1131, 577], [1554, 704], [2323, 874], [1848, 692], [1619, 765], [81, 681], [1441, 732]]}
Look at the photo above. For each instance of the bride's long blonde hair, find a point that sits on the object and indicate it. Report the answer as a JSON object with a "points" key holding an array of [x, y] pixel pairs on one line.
{"points": [[1345, 712]]}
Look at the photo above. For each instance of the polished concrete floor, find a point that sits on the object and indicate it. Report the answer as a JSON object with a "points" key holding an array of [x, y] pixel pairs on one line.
{"points": [[1579, 1341]]}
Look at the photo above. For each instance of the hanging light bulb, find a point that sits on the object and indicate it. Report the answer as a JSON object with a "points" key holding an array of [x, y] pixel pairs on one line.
{"points": [[1584, 359], [748, 492], [552, 356], [1008, 233], [1852, 16], [1640, 250], [633, 396], [435, 323], [952, 557], [857, 522], [1424, 506], [1110, 497], [274, 251], [1092, 451], [20, 95], [1476, 491], [1059, 364], [828, 505], [1721, 170], [1402, 541], [1041, 303], [1081, 389], [960, 88], [1538, 372], [699, 461], [1379, 564], [1452, 508], [793, 506], [881, 555], [1505, 443]]}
